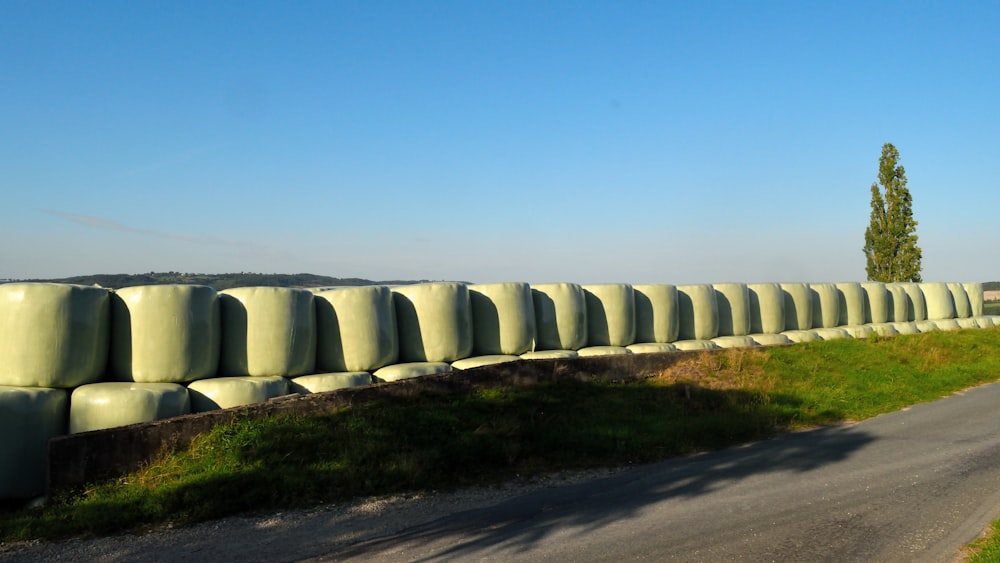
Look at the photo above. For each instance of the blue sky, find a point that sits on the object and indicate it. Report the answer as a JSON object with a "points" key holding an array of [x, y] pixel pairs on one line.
{"points": [[675, 142]]}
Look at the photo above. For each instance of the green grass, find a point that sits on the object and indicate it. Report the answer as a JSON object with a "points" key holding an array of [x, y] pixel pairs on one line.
{"points": [[704, 402], [991, 308]]}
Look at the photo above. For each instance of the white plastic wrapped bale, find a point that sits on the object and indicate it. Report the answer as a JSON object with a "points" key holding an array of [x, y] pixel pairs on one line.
{"points": [[267, 331], [798, 306], [480, 361], [767, 339], [651, 347], [885, 329], [926, 325], [963, 308], [940, 303], [825, 305], [434, 322], [591, 351], [688, 345], [900, 308], [968, 322], [227, 392], [53, 335], [165, 333], [110, 404], [549, 355], [355, 329], [407, 370], [947, 324], [560, 316], [917, 305], [975, 292], [610, 314], [29, 416], [732, 301], [503, 319], [322, 382], [877, 302], [767, 308], [851, 299], [734, 341], [859, 331], [906, 328], [656, 318], [831, 333], [698, 312], [987, 321], [799, 336]]}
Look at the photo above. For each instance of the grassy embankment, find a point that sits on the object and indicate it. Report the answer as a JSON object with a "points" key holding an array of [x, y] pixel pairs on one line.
{"points": [[706, 401]]}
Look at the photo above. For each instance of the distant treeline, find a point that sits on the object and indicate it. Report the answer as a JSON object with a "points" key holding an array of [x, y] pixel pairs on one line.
{"points": [[991, 286], [221, 281]]}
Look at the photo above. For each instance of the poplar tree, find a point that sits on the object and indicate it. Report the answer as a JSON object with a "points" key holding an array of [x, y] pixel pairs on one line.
{"points": [[890, 239]]}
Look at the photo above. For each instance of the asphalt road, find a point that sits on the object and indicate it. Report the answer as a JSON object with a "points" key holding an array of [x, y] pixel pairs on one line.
{"points": [[915, 485]]}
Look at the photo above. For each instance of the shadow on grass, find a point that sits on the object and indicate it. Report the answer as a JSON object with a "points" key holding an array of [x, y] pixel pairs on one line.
{"points": [[449, 441]]}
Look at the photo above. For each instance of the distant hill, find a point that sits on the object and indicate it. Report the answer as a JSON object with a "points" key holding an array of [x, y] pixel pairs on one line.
{"points": [[221, 281], [991, 286]]}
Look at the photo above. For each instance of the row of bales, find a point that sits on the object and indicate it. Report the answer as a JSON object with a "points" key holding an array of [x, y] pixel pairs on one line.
{"points": [[76, 358]]}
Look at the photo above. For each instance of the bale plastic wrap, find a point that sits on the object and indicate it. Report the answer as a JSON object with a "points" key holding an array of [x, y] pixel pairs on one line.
{"points": [[434, 322], [767, 339], [926, 325], [355, 329], [963, 308], [852, 303], [610, 314], [734, 341], [831, 333], [767, 308], [968, 322], [227, 392], [267, 331], [733, 304], [859, 331], [917, 304], [826, 305], [488, 360], [165, 333], [877, 302], [975, 292], [885, 329], [322, 382], [503, 319], [53, 335], [655, 313], [688, 345], [560, 316], [906, 328], [899, 308], [29, 416], [940, 302], [549, 355], [591, 351], [987, 321], [698, 312], [110, 404], [798, 306], [407, 370], [799, 336], [651, 347], [947, 324]]}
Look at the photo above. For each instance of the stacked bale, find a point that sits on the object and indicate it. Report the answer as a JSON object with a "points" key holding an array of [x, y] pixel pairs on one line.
{"points": [[132, 403], [798, 302], [610, 319], [853, 312], [165, 333], [267, 331], [656, 318], [355, 335], [434, 327], [767, 314], [826, 311], [503, 323], [227, 392], [698, 317], [916, 303], [963, 307], [940, 307], [975, 292], [876, 302], [29, 416], [560, 320], [52, 337], [733, 306]]}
